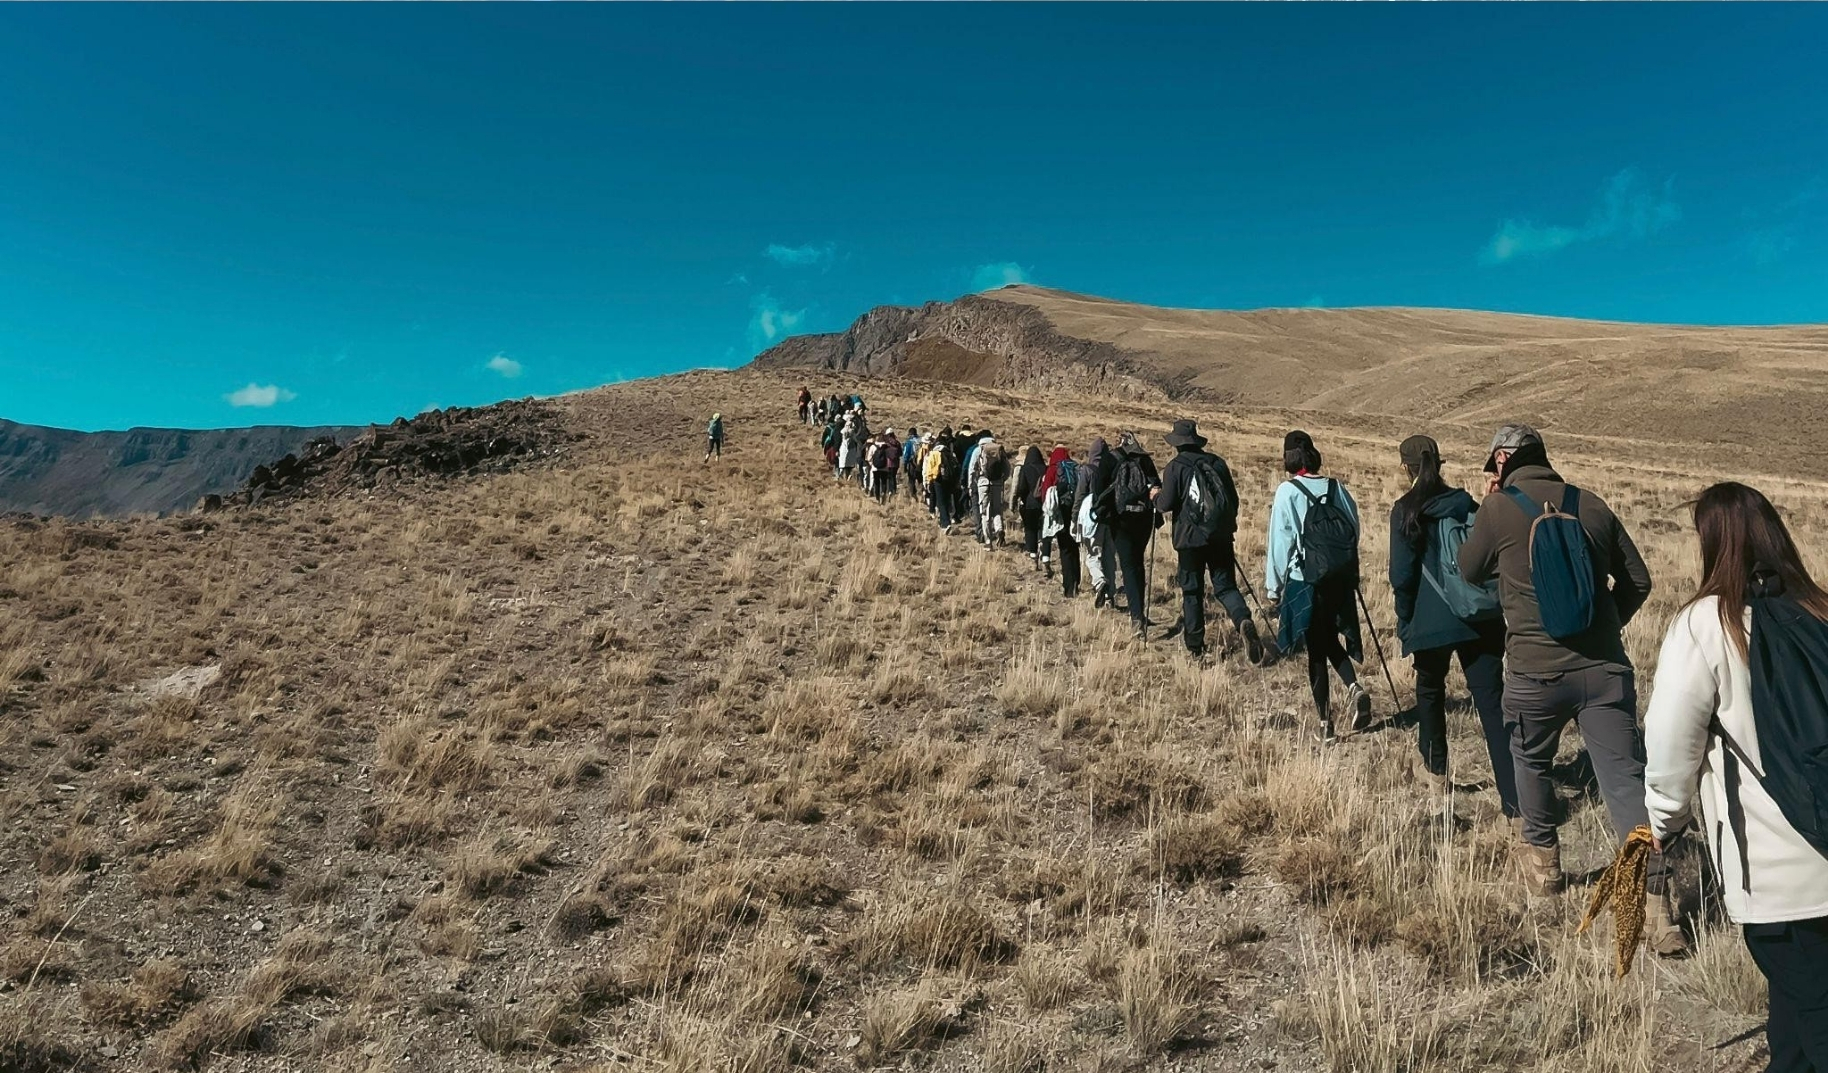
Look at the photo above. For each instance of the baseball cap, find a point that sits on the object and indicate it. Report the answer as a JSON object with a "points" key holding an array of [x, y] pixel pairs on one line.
{"points": [[1416, 447], [1510, 438]]}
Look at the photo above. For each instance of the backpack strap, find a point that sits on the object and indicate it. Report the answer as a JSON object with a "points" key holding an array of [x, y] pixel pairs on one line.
{"points": [[1531, 508], [1570, 500], [1313, 500]]}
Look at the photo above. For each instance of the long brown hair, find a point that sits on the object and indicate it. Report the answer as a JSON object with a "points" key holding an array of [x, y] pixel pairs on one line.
{"points": [[1742, 536]]}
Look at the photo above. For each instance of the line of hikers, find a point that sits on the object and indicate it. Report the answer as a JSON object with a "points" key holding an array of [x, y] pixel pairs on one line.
{"points": [[1530, 590]]}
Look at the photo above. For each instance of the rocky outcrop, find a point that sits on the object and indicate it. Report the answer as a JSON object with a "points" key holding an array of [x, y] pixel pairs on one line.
{"points": [[975, 339], [52, 471], [434, 445]]}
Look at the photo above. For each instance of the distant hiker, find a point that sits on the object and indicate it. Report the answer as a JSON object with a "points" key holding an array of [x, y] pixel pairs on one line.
{"points": [[1569, 579], [1439, 615], [1027, 499], [885, 461], [850, 445], [910, 462], [1131, 519], [966, 444], [805, 406], [714, 437], [1057, 523], [1196, 487], [990, 479], [1737, 719], [1312, 578], [941, 471], [1094, 530]]}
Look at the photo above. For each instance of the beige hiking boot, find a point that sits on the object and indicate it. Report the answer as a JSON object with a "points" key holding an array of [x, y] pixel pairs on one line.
{"points": [[1661, 932], [1541, 867], [1435, 784]]}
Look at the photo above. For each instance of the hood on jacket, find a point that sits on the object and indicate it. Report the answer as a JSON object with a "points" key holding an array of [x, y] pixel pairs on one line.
{"points": [[1099, 452], [1454, 503]]}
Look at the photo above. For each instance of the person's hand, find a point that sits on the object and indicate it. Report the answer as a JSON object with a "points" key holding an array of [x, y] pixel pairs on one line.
{"points": [[1155, 491], [1492, 484]]}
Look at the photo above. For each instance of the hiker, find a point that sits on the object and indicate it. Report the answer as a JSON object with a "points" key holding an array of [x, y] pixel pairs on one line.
{"points": [[910, 462], [989, 478], [850, 449], [1132, 521], [1027, 498], [1196, 487], [941, 472], [714, 437], [829, 440], [1440, 616], [1569, 579], [1094, 534], [885, 461], [805, 401], [1737, 720], [1312, 579], [1057, 484]]}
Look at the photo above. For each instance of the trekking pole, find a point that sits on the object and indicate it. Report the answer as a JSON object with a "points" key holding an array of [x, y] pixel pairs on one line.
{"points": [[1379, 646], [1148, 581]]}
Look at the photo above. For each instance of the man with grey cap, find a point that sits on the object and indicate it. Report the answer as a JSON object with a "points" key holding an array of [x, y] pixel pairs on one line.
{"points": [[1584, 676]]}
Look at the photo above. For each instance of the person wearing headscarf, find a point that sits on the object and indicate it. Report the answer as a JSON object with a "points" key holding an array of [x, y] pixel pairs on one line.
{"points": [[1058, 483]]}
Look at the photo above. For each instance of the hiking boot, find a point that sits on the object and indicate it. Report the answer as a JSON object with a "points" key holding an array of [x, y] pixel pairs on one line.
{"points": [[1101, 595], [1047, 568], [1253, 644], [1661, 932], [1541, 867], [1359, 702]]}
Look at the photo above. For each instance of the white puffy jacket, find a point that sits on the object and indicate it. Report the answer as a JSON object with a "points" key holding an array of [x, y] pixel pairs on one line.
{"points": [[1768, 872]]}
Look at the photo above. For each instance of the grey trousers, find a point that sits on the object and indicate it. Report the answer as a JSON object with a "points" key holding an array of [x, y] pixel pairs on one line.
{"points": [[1603, 702]]}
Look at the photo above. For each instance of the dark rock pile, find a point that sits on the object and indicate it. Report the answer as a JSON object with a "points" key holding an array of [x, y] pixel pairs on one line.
{"points": [[437, 444]]}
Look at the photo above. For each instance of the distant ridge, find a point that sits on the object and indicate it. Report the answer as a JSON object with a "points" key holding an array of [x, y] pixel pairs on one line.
{"points": [[1751, 395], [142, 470]]}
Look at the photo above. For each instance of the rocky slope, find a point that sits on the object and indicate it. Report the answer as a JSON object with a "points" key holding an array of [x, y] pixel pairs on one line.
{"points": [[142, 470]]}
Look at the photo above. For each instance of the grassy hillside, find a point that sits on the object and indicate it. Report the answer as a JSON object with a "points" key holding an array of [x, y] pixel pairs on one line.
{"points": [[622, 762]]}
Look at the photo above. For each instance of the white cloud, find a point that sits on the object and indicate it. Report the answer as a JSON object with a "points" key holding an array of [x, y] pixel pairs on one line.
{"points": [[1628, 208], [1001, 274], [769, 323], [259, 395], [503, 364], [801, 256]]}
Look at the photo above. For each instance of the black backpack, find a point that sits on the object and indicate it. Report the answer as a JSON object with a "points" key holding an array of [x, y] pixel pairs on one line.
{"points": [[1329, 539], [1207, 509], [1789, 662], [996, 467], [1130, 485], [1065, 482]]}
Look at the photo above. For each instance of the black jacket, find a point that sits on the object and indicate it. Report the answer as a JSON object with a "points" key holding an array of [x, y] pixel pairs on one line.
{"points": [[1176, 476], [1423, 620], [1028, 480], [1094, 474]]}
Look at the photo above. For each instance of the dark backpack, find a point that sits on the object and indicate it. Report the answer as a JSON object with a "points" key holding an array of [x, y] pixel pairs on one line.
{"points": [[1468, 602], [879, 456], [948, 462], [1130, 485], [1789, 663], [1065, 481], [1207, 509], [1561, 566], [996, 467], [1329, 538]]}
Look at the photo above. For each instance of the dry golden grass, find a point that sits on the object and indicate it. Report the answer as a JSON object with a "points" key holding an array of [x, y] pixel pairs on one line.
{"points": [[631, 764]]}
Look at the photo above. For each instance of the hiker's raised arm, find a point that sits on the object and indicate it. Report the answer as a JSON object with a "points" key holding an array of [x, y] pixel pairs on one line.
{"points": [[1479, 555]]}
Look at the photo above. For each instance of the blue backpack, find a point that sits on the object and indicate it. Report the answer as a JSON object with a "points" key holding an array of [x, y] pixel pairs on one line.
{"points": [[1561, 567], [1467, 601]]}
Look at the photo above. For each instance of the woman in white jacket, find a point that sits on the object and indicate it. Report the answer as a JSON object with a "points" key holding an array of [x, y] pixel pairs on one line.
{"points": [[1774, 883]]}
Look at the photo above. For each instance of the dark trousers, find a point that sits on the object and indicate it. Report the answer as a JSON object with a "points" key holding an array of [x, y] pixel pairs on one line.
{"points": [[1325, 650], [1218, 558], [1068, 554], [1130, 543], [882, 486], [913, 483], [1482, 661], [1031, 529], [1603, 701], [1794, 959], [714, 446], [942, 501]]}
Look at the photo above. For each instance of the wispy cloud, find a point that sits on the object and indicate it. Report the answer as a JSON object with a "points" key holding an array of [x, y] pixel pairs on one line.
{"points": [[259, 396], [1000, 274], [769, 323], [1773, 234], [801, 256], [503, 364], [1628, 208]]}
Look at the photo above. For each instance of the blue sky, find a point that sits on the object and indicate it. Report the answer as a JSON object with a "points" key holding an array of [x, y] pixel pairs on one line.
{"points": [[217, 215]]}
